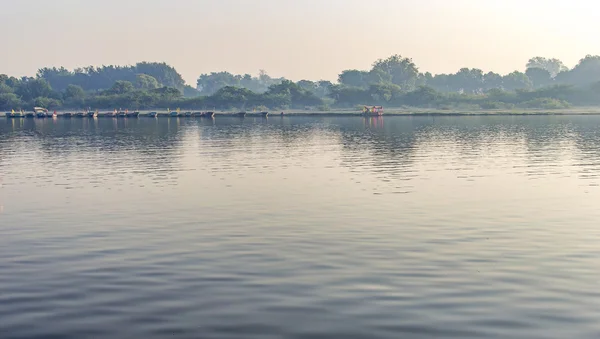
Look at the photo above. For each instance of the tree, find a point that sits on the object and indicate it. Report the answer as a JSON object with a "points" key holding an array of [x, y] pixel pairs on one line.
{"points": [[421, 96], [350, 96], [4, 88], [31, 88], [584, 74], [167, 93], [492, 80], [145, 81], [121, 87], [384, 93], [539, 77], [165, 75], [353, 78], [299, 96], [402, 71], [209, 84], [467, 80], [9, 101], [516, 80], [74, 96], [553, 66]]}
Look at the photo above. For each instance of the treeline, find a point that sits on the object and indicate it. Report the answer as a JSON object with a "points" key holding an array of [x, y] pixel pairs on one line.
{"points": [[395, 81]]}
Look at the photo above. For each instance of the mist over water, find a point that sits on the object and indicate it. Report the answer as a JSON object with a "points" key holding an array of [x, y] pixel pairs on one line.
{"points": [[297, 227]]}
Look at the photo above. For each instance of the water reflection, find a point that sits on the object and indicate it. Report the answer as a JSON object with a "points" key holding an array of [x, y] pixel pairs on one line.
{"points": [[385, 146], [382, 227]]}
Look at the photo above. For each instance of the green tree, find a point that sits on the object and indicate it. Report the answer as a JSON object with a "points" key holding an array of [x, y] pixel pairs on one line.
{"points": [[4, 88], [74, 96], [402, 71], [553, 66], [492, 80], [516, 80], [585, 73], [539, 77], [121, 87], [422, 96], [31, 88], [145, 81], [9, 101], [353, 78]]}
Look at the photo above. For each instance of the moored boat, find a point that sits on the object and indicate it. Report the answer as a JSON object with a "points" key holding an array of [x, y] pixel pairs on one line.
{"points": [[152, 114], [208, 115], [173, 114], [264, 114], [40, 112], [197, 114], [93, 114], [51, 115], [30, 115], [372, 111], [240, 114], [13, 114], [132, 114], [121, 114], [67, 115], [80, 115]]}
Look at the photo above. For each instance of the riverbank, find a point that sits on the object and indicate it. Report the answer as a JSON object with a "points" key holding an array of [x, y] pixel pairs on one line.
{"points": [[388, 112]]}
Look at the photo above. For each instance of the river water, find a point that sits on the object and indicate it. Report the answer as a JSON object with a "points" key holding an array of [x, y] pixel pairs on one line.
{"points": [[300, 227]]}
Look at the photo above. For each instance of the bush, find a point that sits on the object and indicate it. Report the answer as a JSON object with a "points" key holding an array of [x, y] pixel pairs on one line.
{"points": [[491, 105], [546, 103], [324, 108]]}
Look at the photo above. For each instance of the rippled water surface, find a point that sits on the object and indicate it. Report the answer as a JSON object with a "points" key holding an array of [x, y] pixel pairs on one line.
{"points": [[299, 227]]}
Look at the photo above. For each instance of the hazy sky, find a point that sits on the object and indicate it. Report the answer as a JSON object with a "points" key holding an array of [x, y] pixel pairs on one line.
{"points": [[298, 39]]}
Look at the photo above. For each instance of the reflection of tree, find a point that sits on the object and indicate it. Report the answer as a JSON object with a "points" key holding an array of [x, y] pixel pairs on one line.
{"points": [[131, 142], [384, 148], [587, 142]]}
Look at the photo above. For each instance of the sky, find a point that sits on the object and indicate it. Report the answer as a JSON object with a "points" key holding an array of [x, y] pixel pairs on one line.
{"points": [[296, 39]]}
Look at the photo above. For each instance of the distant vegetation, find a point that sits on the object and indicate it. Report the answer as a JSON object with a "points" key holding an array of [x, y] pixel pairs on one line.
{"points": [[395, 81]]}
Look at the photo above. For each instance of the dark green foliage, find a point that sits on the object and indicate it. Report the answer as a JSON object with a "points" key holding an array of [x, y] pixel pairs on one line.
{"points": [[99, 78], [395, 81]]}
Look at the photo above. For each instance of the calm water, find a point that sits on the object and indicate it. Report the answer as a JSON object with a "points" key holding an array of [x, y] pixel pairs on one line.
{"points": [[459, 227]]}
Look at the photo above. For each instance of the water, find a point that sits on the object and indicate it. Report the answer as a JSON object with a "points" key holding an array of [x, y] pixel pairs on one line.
{"points": [[297, 227]]}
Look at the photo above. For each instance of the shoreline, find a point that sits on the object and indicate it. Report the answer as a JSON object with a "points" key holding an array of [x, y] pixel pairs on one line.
{"points": [[352, 113]]}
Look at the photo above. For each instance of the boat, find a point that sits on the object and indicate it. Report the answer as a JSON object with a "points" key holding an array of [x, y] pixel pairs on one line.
{"points": [[264, 114], [197, 114], [93, 114], [372, 111], [112, 114], [121, 114], [13, 114], [67, 115], [132, 114], [30, 114], [173, 114], [240, 114], [51, 115], [40, 112], [152, 114], [188, 114], [208, 115], [80, 115]]}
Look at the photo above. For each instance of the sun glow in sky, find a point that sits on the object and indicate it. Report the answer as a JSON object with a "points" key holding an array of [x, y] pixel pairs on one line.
{"points": [[297, 39]]}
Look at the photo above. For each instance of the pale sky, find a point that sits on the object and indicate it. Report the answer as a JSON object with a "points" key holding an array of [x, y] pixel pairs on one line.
{"points": [[297, 39]]}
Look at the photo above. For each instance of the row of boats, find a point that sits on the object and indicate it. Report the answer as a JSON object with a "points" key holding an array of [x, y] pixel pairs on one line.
{"points": [[44, 113]]}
